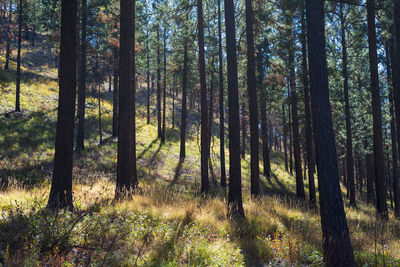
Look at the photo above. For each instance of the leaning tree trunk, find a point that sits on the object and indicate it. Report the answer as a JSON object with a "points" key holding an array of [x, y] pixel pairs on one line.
{"points": [[380, 176], [235, 204], [80, 145], [61, 185], [307, 111], [336, 239], [18, 82], [253, 109], [221, 100], [203, 100]]}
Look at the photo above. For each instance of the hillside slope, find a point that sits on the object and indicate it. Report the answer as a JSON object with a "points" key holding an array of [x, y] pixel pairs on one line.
{"points": [[167, 223]]}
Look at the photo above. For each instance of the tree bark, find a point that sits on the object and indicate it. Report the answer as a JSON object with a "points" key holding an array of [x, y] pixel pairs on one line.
{"points": [[184, 108], [158, 83], [80, 137], [18, 81], [307, 112], [336, 240], [61, 186], [235, 205], [221, 100], [203, 99], [295, 124], [380, 177], [285, 150], [263, 113], [164, 87], [253, 109], [115, 93], [349, 138], [8, 45]]}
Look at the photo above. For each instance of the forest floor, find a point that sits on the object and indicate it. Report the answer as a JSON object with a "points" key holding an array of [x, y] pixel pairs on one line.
{"points": [[168, 223]]}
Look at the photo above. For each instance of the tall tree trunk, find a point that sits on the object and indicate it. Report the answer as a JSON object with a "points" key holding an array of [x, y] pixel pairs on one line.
{"points": [[203, 100], [184, 96], [173, 89], [158, 84], [290, 132], [8, 45], [307, 112], [18, 82], [61, 185], [221, 100], [148, 79], [126, 176], [253, 109], [380, 177], [335, 233], [80, 137], [100, 126], [235, 205], [263, 113], [164, 86], [285, 150], [396, 190], [349, 140], [295, 125], [210, 113], [115, 93], [396, 74]]}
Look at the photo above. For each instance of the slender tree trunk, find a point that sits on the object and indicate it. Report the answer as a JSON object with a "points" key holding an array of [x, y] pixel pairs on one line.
{"points": [[203, 100], [173, 89], [380, 177], [164, 87], [290, 134], [100, 126], [263, 114], [115, 93], [18, 82], [158, 84], [61, 186], [210, 113], [335, 233], [307, 112], [8, 45], [243, 126], [80, 137], [349, 140], [285, 150], [235, 205], [370, 178], [395, 55], [295, 125], [184, 96], [221, 100], [396, 189], [253, 109], [148, 79]]}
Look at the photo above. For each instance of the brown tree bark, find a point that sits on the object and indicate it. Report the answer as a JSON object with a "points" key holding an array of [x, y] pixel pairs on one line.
{"points": [[61, 185], [18, 81], [235, 205], [115, 93], [184, 108], [164, 87], [80, 137], [221, 100], [380, 176], [203, 99], [307, 112], [335, 233], [285, 149]]}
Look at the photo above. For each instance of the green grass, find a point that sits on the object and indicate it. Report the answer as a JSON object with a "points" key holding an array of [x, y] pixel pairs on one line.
{"points": [[168, 223]]}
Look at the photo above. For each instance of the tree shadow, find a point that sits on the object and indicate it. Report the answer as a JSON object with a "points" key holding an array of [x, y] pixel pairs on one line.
{"points": [[178, 171]]}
